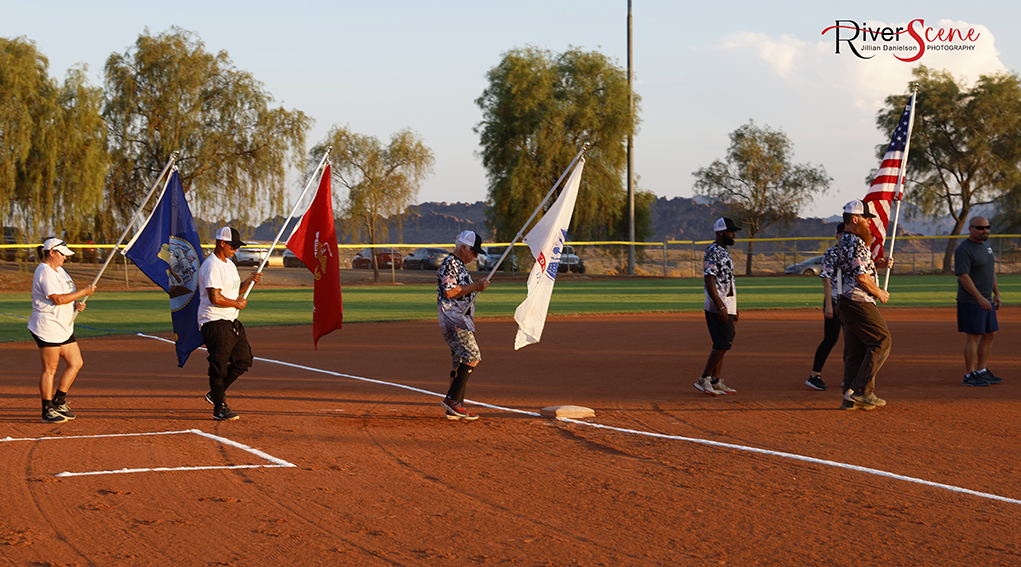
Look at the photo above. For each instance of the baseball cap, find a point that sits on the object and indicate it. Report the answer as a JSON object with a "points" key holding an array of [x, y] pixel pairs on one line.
{"points": [[230, 236], [470, 239], [858, 207], [723, 223], [58, 245]]}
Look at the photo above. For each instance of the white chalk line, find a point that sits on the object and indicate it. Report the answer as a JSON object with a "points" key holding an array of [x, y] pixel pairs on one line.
{"points": [[276, 462], [745, 448]]}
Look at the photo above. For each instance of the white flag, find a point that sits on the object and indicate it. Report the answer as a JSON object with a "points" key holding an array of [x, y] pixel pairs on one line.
{"points": [[546, 240]]}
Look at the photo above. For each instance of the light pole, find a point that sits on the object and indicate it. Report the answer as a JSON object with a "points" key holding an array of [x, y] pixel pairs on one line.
{"points": [[630, 155]]}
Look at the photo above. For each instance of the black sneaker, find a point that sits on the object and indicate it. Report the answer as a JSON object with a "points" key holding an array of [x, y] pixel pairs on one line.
{"points": [[456, 410], [50, 415], [990, 377], [65, 411], [209, 399], [815, 382], [225, 414], [974, 379]]}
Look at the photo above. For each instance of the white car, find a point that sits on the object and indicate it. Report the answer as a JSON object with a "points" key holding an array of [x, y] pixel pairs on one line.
{"points": [[250, 256], [491, 255]]}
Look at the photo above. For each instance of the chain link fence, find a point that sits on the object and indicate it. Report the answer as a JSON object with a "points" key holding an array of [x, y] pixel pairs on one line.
{"points": [[672, 259]]}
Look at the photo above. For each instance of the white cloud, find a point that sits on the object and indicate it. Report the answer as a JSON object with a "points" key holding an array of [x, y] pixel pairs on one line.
{"points": [[780, 53]]}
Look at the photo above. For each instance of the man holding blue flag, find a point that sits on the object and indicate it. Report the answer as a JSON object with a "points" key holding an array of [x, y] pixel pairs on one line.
{"points": [[168, 250], [230, 355]]}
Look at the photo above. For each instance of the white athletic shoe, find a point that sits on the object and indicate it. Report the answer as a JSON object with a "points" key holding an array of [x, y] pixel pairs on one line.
{"points": [[705, 385], [722, 388]]}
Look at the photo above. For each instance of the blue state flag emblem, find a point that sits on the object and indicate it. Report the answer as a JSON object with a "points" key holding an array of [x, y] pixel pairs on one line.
{"points": [[183, 273]]}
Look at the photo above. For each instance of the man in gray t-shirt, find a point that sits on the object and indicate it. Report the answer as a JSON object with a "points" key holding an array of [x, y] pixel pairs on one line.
{"points": [[978, 298]]}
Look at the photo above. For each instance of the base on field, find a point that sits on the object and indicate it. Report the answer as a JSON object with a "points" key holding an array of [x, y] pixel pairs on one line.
{"points": [[574, 412]]}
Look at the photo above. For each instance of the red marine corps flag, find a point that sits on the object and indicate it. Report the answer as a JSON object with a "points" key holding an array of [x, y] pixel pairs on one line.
{"points": [[314, 242]]}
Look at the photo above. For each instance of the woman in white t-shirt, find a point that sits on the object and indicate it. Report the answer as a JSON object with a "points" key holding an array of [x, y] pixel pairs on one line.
{"points": [[54, 303]]}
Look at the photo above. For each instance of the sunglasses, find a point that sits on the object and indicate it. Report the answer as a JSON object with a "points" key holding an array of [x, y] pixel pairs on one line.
{"points": [[985, 227]]}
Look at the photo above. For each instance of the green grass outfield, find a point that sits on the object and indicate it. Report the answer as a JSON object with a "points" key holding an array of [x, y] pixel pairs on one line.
{"points": [[148, 311]]}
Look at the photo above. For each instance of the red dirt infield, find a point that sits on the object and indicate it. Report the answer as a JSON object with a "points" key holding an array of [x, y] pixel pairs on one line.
{"points": [[381, 478]]}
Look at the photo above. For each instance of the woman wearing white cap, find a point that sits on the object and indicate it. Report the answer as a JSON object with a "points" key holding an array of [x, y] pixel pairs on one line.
{"points": [[54, 302]]}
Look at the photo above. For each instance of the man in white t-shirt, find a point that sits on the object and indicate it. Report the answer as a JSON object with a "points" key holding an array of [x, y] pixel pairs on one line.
{"points": [[220, 302]]}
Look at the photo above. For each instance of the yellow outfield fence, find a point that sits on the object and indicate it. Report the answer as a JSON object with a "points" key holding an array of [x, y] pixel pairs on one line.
{"points": [[673, 258]]}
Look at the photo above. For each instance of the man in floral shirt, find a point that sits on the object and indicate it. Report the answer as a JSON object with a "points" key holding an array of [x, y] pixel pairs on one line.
{"points": [[720, 306], [455, 303], [866, 336]]}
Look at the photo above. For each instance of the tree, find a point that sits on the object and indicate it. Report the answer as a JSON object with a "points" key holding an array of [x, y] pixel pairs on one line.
{"points": [[537, 111], [382, 181], [168, 93], [965, 145], [52, 146], [758, 185]]}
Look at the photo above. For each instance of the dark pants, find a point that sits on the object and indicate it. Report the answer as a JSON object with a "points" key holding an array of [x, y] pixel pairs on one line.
{"points": [[867, 344], [831, 332], [229, 355]]}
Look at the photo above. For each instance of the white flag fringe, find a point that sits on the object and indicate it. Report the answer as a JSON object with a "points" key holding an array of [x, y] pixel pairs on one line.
{"points": [[546, 240]]}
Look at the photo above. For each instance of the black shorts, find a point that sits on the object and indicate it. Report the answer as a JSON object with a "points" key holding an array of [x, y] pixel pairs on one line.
{"points": [[721, 333], [974, 320], [43, 344]]}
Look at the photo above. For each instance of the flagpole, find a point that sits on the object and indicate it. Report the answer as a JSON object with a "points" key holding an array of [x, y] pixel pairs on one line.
{"points": [[898, 191], [169, 163], [297, 203], [570, 167]]}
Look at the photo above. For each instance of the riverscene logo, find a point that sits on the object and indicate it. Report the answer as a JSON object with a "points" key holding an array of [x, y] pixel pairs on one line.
{"points": [[912, 42]]}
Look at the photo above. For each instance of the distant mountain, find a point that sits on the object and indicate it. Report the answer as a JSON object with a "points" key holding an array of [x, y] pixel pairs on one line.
{"points": [[678, 218]]}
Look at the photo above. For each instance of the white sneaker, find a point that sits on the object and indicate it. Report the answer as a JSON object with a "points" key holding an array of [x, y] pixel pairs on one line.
{"points": [[705, 385], [722, 388]]}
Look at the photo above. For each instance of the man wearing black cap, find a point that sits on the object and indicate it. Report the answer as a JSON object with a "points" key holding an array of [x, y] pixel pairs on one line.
{"points": [[866, 336], [230, 355], [455, 303], [720, 306]]}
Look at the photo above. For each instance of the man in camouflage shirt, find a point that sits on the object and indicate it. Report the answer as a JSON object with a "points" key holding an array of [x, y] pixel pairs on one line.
{"points": [[720, 306], [455, 302], [866, 336]]}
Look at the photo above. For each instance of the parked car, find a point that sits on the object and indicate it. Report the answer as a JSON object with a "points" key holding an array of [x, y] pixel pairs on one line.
{"points": [[292, 261], [809, 267], [423, 258], [491, 255], [569, 261], [385, 258], [13, 236], [250, 256]]}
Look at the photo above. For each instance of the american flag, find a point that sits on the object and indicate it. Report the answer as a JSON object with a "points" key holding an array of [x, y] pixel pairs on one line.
{"points": [[881, 192]]}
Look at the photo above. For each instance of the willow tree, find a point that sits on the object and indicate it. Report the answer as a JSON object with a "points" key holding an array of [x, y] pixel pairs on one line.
{"points": [[537, 112], [52, 146], [757, 184], [382, 181], [168, 93], [965, 145]]}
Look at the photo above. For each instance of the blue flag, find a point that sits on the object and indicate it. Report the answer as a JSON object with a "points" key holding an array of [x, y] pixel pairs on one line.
{"points": [[169, 251]]}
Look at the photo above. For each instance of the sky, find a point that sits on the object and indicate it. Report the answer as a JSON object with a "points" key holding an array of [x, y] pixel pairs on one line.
{"points": [[702, 69]]}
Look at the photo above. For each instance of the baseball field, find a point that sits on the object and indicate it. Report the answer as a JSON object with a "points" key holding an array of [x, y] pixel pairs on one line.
{"points": [[342, 455]]}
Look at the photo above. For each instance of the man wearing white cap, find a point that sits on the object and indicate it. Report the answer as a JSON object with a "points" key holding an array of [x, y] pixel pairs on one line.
{"points": [[866, 336], [230, 355], [720, 306], [54, 303], [455, 303]]}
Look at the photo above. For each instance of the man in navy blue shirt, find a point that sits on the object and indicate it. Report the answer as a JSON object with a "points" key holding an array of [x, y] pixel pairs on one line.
{"points": [[978, 298]]}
